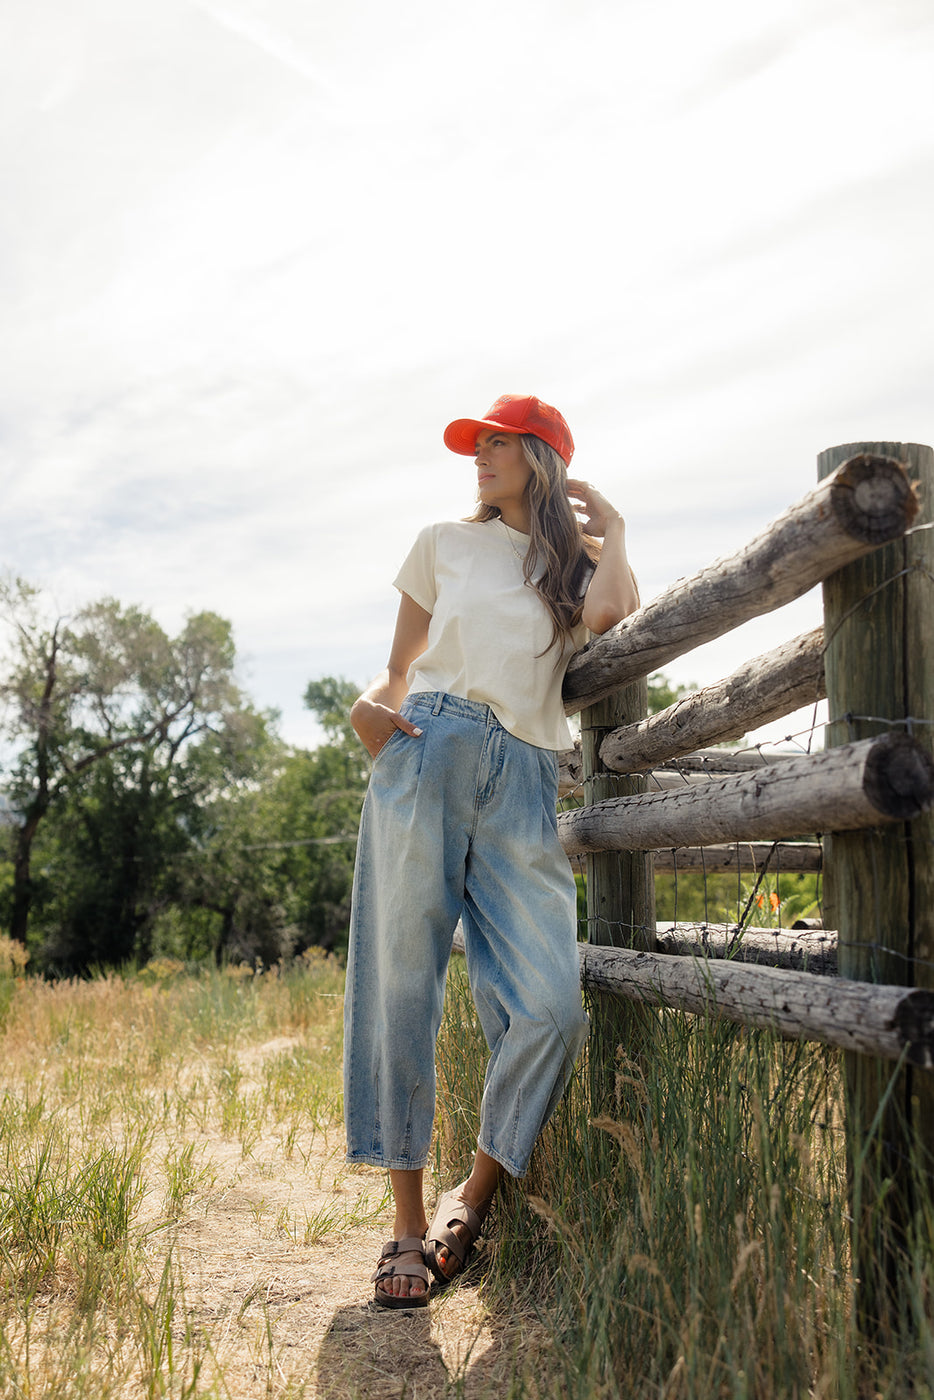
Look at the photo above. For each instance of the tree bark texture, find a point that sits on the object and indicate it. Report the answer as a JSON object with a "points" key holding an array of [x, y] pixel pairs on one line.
{"points": [[716, 762], [804, 950], [867, 501], [620, 892], [745, 857], [41, 795], [887, 779], [703, 762], [766, 688], [882, 1021], [879, 889]]}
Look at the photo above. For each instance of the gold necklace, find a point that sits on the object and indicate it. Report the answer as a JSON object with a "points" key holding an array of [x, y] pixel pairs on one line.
{"points": [[512, 543]]}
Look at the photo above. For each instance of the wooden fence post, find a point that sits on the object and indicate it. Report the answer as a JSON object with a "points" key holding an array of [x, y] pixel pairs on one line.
{"points": [[879, 665], [620, 893]]}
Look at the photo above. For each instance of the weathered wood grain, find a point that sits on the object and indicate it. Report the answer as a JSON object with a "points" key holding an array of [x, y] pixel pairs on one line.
{"points": [[879, 889], [867, 1018], [747, 857], [875, 1020], [715, 762], [810, 950], [766, 688], [867, 501], [890, 778]]}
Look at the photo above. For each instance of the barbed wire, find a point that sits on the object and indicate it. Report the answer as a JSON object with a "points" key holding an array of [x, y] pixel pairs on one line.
{"points": [[303, 841]]}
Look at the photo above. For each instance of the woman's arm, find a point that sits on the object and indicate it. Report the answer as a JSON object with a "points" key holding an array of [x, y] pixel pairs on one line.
{"points": [[612, 593], [375, 714]]}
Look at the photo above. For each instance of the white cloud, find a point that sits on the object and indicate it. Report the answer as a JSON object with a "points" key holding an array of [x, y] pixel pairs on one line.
{"points": [[256, 255]]}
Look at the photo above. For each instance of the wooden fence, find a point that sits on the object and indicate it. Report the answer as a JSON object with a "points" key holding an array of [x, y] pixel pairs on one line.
{"points": [[758, 804], [867, 797]]}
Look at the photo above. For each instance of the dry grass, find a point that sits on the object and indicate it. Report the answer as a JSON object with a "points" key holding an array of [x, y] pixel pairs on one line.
{"points": [[176, 1218], [685, 1222]]}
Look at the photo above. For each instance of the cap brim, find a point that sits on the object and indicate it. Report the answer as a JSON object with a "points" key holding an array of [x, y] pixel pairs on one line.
{"points": [[461, 435]]}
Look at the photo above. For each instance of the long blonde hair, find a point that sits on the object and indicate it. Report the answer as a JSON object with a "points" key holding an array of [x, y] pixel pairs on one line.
{"points": [[557, 541]]}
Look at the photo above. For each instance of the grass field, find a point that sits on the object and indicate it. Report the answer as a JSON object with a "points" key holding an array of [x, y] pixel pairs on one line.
{"points": [[176, 1218]]}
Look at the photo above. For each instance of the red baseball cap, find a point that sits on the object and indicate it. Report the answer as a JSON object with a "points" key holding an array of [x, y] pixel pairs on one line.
{"points": [[513, 413]]}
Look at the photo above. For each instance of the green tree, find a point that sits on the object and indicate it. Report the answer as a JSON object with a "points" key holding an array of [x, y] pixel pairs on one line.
{"points": [[119, 730], [228, 894], [319, 808], [323, 791], [664, 692], [276, 867], [330, 699]]}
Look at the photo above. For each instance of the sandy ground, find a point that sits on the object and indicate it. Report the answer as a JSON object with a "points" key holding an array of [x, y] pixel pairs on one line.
{"points": [[289, 1318]]}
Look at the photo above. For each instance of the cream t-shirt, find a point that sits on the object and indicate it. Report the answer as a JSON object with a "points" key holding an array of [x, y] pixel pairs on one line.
{"points": [[489, 632]]}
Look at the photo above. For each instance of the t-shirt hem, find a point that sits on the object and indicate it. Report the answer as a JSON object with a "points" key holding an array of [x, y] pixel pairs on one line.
{"points": [[536, 743]]}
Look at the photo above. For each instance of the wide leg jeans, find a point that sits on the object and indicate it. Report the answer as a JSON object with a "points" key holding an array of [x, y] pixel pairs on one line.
{"points": [[459, 823]]}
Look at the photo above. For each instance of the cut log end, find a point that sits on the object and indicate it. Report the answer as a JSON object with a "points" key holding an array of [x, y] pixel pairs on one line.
{"points": [[914, 1019], [873, 498], [899, 777]]}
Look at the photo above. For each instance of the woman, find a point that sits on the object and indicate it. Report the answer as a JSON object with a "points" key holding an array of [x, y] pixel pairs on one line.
{"points": [[460, 822]]}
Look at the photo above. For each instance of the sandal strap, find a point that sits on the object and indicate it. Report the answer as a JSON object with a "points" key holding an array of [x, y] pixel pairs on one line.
{"points": [[450, 1211], [405, 1257]]}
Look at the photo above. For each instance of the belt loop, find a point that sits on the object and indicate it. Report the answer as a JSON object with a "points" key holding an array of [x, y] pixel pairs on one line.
{"points": [[438, 703]]}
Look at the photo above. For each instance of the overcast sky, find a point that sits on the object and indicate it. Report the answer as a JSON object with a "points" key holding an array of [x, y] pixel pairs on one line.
{"points": [[255, 254]]}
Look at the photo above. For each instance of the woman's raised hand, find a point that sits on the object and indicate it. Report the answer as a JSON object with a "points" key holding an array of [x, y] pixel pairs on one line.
{"points": [[586, 500]]}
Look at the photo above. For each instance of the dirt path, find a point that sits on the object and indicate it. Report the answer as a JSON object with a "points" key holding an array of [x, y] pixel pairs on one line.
{"points": [[289, 1318]]}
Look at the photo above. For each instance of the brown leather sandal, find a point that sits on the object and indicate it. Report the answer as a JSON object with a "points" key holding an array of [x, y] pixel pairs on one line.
{"points": [[451, 1211], [401, 1257]]}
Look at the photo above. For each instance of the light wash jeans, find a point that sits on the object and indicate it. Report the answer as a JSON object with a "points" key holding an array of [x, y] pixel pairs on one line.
{"points": [[459, 823]]}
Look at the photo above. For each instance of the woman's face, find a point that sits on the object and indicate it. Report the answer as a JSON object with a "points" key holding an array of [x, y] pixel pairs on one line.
{"points": [[503, 471]]}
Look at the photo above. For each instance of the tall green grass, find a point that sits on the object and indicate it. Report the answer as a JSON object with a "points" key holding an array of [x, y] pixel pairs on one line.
{"points": [[683, 1229]]}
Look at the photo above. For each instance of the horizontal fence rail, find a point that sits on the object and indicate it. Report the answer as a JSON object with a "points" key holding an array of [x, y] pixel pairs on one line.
{"points": [[887, 779], [888, 1022], [867, 501], [884, 1021], [745, 857], [766, 688], [719, 761], [870, 800], [703, 763], [812, 950]]}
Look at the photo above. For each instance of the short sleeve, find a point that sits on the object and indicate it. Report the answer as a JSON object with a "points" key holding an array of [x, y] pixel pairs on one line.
{"points": [[417, 575]]}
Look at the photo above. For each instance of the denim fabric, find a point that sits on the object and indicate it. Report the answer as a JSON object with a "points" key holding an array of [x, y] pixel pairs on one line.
{"points": [[459, 823]]}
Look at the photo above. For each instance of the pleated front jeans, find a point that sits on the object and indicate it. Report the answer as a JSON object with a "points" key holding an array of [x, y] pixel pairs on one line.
{"points": [[459, 823]]}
